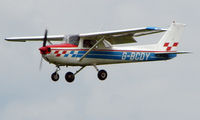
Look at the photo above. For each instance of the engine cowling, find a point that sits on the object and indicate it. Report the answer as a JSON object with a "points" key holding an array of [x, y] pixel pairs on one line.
{"points": [[45, 50]]}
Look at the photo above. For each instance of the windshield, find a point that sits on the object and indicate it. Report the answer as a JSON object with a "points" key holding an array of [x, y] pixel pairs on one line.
{"points": [[74, 40]]}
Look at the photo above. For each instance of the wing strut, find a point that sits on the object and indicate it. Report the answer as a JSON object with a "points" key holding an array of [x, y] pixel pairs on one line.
{"points": [[92, 48]]}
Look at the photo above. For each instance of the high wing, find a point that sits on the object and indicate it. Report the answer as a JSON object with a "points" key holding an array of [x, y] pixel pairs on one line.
{"points": [[114, 37], [36, 38], [122, 36]]}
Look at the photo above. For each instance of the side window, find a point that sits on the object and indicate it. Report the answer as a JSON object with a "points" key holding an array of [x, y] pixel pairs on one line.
{"points": [[88, 43]]}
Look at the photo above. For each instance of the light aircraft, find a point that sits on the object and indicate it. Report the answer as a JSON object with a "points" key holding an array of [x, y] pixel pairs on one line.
{"points": [[92, 49]]}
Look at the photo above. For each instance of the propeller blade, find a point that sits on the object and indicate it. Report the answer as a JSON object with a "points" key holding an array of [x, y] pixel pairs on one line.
{"points": [[41, 61], [45, 38]]}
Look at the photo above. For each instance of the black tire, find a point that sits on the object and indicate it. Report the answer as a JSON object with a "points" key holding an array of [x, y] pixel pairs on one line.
{"points": [[55, 76], [102, 74], [69, 77]]}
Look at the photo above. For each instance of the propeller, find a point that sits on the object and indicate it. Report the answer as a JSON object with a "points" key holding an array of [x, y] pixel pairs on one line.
{"points": [[44, 45]]}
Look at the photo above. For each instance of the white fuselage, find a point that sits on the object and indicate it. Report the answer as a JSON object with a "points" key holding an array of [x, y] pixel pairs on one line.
{"points": [[71, 56]]}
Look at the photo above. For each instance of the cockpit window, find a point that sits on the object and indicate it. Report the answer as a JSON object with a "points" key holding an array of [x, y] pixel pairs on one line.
{"points": [[74, 40], [88, 43]]}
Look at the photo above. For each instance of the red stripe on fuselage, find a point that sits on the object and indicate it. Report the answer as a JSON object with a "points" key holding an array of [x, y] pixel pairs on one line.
{"points": [[62, 45]]}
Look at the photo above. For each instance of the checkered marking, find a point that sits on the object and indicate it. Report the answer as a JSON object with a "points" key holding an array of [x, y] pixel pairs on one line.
{"points": [[113, 55], [169, 47], [65, 53]]}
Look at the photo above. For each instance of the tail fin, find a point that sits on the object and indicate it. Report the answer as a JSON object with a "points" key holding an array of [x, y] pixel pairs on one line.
{"points": [[170, 40]]}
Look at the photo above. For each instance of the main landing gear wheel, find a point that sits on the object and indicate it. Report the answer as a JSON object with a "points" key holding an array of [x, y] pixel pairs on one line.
{"points": [[69, 76], [55, 76], [102, 74]]}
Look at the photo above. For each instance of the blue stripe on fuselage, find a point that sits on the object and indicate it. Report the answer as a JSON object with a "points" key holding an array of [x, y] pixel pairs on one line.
{"points": [[102, 52], [121, 55]]}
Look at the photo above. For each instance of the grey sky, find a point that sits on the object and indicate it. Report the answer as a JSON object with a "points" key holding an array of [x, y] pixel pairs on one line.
{"points": [[156, 90]]}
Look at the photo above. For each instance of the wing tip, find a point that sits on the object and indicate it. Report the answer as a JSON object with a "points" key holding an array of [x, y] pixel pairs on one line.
{"points": [[154, 28]]}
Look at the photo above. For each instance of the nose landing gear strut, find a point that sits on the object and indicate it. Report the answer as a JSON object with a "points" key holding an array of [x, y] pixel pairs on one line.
{"points": [[55, 75]]}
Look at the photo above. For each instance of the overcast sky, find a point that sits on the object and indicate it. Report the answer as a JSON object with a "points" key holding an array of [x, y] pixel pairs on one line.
{"points": [[145, 91]]}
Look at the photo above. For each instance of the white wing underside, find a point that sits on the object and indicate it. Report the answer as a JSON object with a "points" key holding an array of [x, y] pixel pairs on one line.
{"points": [[36, 38], [114, 37]]}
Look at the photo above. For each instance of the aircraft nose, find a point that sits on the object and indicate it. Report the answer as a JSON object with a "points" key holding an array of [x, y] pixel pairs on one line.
{"points": [[45, 50]]}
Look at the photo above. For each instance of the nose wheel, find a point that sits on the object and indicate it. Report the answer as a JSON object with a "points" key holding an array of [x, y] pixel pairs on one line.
{"points": [[55, 76]]}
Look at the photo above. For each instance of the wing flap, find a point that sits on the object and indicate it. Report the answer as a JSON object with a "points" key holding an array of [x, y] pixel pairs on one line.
{"points": [[121, 39]]}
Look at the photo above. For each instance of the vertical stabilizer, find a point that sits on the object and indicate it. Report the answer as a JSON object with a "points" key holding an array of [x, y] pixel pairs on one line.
{"points": [[170, 40]]}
